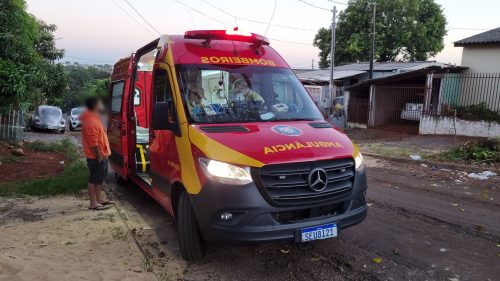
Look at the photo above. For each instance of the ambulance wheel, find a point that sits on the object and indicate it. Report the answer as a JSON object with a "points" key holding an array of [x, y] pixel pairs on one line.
{"points": [[191, 244]]}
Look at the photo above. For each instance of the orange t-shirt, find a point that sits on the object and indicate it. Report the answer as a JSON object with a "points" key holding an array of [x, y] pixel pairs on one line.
{"points": [[93, 134]]}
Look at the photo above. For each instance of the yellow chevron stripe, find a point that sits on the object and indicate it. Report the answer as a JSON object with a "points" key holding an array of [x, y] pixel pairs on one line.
{"points": [[219, 151]]}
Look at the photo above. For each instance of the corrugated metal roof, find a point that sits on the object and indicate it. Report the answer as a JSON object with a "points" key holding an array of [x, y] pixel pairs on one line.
{"points": [[354, 69], [324, 74], [488, 37]]}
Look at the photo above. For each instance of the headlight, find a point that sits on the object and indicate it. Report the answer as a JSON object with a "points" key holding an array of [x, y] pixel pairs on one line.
{"points": [[358, 160], [225, 173]]}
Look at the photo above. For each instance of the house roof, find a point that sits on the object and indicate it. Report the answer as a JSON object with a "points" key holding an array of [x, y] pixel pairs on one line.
{"points": [[354, 69], [488, 37]]}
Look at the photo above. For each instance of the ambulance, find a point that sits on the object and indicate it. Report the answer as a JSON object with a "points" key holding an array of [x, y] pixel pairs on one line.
{"points": [[216, 127]]}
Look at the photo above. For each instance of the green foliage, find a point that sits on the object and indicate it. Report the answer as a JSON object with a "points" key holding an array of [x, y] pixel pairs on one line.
{"points": [[83, 82], [28, 71], [481, 151], [71, 180], [406, 30], [477, 112]]}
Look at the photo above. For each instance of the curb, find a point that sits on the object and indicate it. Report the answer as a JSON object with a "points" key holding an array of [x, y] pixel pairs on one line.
{"points": [[438, 165]]}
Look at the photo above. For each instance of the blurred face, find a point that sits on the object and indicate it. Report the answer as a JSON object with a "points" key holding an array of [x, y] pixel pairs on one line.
{"points": [[99, 107]]}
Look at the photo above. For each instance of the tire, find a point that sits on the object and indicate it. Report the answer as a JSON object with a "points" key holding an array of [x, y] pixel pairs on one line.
{"points": [[71, 128], [190, 241], [63, 131]]}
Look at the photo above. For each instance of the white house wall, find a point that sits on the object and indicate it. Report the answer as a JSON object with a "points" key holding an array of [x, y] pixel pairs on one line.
{"points": [[482, 59], [435, 125]]}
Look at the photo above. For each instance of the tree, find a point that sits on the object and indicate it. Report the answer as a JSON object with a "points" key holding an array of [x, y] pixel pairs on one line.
{"points": [[29, 74], [18, 31], [407, 30]]}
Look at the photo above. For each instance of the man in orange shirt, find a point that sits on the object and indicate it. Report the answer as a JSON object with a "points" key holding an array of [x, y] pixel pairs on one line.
{"points": [[96, 147]]}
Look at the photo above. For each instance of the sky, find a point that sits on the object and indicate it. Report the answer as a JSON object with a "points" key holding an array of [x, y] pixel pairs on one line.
{"points": [[101, 31]]}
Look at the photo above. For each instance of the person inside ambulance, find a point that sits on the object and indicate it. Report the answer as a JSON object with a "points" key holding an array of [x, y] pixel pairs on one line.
{"points": [[241, 92], [194, 101]]}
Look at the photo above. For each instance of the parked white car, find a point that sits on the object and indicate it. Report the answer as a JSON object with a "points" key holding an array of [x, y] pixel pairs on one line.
{"points": [[74, 118], [412, 111]]}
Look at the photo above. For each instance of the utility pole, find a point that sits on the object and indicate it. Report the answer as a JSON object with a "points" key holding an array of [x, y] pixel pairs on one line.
{"points": [[332, 49], [372, 50]]}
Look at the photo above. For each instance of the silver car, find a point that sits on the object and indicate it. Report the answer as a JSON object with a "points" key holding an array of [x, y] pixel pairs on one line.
{"points": [[48, 118]]}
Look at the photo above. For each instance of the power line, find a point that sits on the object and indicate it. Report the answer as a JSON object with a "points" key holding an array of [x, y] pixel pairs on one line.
{"points": [[272, 16], [86, 59], [317, 7], [201, 13], [467, 28], [290, 42], [139, 14], [256, 21], [337, 2], [131, 17], [225, 24]]}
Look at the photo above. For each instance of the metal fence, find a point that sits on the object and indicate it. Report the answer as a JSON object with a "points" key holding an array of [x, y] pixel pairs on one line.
{"points": [[465, 95], [11, 125]]}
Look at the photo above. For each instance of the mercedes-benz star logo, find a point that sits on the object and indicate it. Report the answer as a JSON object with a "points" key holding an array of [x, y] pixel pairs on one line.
{"points": [[317, 179]]}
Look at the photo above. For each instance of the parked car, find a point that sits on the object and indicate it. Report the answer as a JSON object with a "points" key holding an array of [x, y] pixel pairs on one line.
{"points": [[74, 118], [48, 118], [412, 111]]}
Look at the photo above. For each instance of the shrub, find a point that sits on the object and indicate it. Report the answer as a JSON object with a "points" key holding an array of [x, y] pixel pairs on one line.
{"points": [[480, 151], [477, 112]]}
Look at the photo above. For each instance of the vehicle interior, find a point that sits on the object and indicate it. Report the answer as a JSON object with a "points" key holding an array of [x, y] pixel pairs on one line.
{"points": [[141, 103]]}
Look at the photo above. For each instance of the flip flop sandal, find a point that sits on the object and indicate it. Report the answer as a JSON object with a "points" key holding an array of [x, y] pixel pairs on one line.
{"points": [[108, 202], [98, 208]]}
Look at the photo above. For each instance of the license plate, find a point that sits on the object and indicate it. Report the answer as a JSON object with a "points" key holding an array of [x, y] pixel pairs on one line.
{"points": [[319, 232]]}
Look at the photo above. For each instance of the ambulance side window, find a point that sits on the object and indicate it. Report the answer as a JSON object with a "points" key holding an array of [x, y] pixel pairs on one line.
{"points": [[116, 96], [163, 93]]}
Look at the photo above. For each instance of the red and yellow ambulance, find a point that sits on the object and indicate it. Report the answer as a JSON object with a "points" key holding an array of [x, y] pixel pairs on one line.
{"points": [[216, 127]]}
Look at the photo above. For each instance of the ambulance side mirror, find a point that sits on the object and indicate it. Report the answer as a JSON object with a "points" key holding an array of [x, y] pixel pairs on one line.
{"points": [[161, 117]]}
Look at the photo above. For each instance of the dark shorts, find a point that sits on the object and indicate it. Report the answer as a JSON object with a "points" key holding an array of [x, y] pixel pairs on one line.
{"points": [[97, 171]]}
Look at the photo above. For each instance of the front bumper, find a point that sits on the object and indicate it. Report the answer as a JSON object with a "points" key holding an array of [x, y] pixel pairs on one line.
{"points": [[49, 127], [255, 220]]}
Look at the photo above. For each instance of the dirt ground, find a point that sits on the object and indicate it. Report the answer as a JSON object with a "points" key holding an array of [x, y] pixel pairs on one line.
{"points": [[60, 239], [35, 165], [422, 224]]}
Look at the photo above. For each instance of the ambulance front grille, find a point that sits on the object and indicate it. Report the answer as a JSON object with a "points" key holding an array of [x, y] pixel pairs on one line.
{"points": [[287, 184]]}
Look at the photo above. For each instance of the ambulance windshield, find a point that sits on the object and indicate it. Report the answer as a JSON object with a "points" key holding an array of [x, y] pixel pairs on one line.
{"points": [[233, 94]]}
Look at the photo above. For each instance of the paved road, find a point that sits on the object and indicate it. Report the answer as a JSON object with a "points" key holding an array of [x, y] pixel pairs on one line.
{"points": [[422, 224]]}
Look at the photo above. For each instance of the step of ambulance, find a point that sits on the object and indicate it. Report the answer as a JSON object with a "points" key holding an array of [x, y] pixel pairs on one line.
{"points": [[142, 157]]}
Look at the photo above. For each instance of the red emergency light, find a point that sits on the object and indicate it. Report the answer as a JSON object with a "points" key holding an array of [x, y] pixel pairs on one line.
{"points": [[229, 35]]}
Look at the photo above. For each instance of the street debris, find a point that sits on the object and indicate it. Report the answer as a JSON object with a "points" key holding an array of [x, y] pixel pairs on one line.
{"points": [[416, 157], [482, 176], [443, 250], [285, 251], [17, 152], [377, 260]]}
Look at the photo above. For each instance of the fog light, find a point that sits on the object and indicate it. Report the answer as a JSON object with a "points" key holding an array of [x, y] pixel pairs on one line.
{"points": [[226, 216]]}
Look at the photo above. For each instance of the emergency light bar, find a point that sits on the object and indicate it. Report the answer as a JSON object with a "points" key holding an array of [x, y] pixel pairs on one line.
{"points": [[229, 35]]}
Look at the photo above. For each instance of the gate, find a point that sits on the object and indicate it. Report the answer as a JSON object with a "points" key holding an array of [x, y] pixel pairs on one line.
{"points": [[398, 107], [11, 125]]}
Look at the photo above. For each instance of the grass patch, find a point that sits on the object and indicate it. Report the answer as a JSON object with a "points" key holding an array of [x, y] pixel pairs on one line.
{"points": [[10, 159], [71, 180], [474, 152]]}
